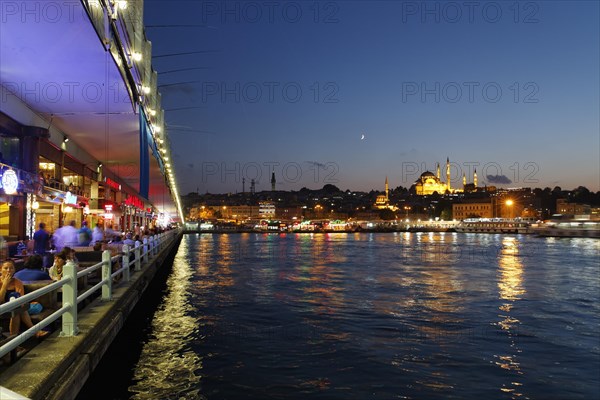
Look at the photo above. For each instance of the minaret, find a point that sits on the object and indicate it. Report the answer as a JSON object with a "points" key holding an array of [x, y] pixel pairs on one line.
{"points": [[243, 185], [475, 178], [387, 190], [464, 180], [273, 180], [438, 171], [448, 174]]}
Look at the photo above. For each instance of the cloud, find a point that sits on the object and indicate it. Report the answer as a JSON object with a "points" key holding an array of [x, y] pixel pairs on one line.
{"points": [[498, 179], [186, 88], [316, 164], [411, 152]]}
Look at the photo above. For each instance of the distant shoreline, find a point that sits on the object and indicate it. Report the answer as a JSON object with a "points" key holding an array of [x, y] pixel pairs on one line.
{"points": [[221, 231]]}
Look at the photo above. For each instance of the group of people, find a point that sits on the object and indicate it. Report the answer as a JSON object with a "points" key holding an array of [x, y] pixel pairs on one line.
{"points": [[11, 285], [67, 235], [70, 236], [11, 282]]}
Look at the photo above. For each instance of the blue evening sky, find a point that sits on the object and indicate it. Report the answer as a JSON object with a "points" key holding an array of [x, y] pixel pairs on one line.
{"points": [[297, 92]]}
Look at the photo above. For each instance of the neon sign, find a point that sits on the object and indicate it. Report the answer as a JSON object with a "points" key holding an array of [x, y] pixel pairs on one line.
{"points": [[10, 181], [112, 184], [134, 201]]}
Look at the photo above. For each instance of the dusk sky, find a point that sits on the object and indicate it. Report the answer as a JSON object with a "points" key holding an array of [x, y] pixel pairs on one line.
{"points": [[511, 89]]}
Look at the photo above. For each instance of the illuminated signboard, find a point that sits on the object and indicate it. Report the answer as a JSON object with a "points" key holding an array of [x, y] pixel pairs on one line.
{"points": [[108, 214], [112, 184], [70, 198], [10, 181], [134, 201]]}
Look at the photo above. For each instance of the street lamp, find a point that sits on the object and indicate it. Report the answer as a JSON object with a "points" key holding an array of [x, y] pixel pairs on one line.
{"points": [[509, 204], [318, 209]]}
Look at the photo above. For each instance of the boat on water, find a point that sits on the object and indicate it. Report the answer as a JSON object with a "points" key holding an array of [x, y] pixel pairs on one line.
{"points": [[569, 227], [495, 225]]}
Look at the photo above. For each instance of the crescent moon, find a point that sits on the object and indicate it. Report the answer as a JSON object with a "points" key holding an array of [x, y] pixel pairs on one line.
{"points": [[362, 137]]}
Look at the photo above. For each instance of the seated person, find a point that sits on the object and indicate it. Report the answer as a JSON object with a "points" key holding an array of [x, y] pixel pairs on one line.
{"points": [[56, 271], [129, 241], [115, 247], [70, 254], [11, 287], [33, 270]]}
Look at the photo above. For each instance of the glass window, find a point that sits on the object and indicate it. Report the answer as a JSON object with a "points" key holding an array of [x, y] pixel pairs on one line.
{"points": [[9, 151]]}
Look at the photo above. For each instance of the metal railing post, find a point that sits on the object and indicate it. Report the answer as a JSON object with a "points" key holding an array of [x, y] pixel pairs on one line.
{"points": [[154, 245], [146, 250], [126, 263], [138, 259], [69, 318], [106, 276]]}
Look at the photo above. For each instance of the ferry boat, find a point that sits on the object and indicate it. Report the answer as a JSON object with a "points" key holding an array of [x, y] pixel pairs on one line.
{"points": [[495, 225], [569, 228]]}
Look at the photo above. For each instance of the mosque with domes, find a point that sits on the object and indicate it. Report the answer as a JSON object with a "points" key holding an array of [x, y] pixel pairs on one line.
{"points": [[428, 183]]}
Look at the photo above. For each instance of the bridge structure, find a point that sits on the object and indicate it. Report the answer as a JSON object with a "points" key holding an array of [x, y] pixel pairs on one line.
{"points": [[82, 130]]}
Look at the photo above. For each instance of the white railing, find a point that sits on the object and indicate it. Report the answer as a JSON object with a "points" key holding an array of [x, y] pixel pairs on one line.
{"points": [[142, 251]]}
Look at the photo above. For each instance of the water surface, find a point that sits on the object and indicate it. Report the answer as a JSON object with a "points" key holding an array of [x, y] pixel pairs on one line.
{"points": [[382, 316]]}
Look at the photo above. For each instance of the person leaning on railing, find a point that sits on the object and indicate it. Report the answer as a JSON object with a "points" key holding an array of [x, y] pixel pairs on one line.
{"points": [[12, 288]]}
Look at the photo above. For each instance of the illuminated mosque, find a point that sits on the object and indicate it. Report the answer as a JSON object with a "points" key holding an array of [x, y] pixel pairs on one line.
{"points": [[383, 200], [428, 183]]}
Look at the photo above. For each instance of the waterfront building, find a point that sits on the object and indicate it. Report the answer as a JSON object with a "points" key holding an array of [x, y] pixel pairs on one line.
{"points": [[83, 134], [289, 213], [241, 212], [475, 208], [566, 208], [266, 210]]}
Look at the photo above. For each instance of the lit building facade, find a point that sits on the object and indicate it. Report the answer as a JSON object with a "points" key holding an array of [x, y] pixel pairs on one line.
{"points": [[241, 212], [266, 210], [479, 209], [566, 208]]}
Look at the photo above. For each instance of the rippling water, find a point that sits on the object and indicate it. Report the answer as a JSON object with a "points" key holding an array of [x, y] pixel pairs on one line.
{"points": [[356, 316]]}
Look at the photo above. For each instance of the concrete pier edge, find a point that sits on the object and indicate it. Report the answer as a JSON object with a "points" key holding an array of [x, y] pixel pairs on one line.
{"points": [[58, 367]]}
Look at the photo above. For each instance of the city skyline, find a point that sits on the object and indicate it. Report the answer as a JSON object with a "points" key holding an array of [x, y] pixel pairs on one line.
{"points": [[287, 174], [350, 92]]}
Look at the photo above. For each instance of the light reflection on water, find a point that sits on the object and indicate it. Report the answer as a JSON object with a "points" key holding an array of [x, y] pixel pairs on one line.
{"points": [[425, 315], [168, 367], [510, 288]]}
